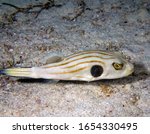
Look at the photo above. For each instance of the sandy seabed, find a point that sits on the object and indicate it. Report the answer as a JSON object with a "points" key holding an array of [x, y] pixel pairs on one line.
{"points": [[69, 26]]}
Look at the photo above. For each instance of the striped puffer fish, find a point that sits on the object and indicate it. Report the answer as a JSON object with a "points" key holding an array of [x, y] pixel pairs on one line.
{"points": [[82, 66]]}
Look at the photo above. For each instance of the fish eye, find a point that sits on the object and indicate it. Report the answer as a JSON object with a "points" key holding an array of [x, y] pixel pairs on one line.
{"points": [[117, 66], [96, 70]]}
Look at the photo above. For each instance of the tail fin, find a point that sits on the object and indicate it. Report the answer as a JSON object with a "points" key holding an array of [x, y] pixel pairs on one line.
{"points": [[19, 72], [2, 71]]}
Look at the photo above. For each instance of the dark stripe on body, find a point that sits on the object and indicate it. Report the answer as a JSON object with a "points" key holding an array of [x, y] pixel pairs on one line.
{"points": [[72, 71], [88, 52], [85, 62], [67, 62]]}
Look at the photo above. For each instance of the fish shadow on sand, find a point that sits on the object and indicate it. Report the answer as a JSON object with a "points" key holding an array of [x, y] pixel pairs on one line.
{"points": [[140, 73]]}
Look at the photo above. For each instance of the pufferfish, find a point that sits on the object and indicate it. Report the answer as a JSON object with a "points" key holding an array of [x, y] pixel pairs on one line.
{"points": [[82, 66]]}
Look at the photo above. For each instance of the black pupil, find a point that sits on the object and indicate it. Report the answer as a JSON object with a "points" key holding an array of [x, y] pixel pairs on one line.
{"points": [[96, 70]]}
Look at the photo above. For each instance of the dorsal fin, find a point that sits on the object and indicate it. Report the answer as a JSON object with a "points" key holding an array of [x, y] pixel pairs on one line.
{"points": [[53, 59]]}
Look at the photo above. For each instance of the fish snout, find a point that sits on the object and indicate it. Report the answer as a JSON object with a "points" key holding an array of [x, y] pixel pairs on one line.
{"points": [[129, 69]]}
